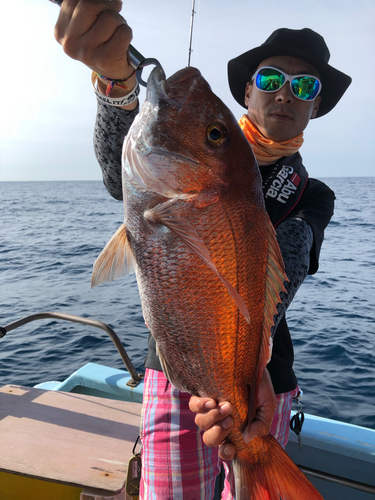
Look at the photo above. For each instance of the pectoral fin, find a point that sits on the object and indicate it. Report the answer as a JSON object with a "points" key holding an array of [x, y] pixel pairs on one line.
{"points": [[164, 214], [115, 261]]}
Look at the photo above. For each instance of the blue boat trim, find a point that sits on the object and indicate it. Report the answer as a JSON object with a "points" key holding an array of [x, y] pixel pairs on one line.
{"points": [[336, 452], [345, 439], [99, 380]]}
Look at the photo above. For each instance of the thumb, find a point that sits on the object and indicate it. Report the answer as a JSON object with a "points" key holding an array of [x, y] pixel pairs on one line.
{"points": [[256, 428]]}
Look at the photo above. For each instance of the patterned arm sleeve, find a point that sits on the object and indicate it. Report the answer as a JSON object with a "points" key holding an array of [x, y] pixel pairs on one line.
{"points": [[295, 238], [112, 125]]}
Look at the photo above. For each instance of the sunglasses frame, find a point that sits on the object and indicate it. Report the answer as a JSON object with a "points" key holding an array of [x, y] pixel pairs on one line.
{"points": [[288, 78]]}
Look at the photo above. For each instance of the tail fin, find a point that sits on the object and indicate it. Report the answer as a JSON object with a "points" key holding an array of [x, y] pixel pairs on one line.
{"points": [[271, 475]]}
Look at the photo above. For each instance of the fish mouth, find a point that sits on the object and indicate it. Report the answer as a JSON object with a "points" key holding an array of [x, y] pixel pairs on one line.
{"points": [[173, 90]]}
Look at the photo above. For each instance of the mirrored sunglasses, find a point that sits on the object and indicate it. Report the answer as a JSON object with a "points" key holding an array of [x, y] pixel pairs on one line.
{"points": [[304, 87]]}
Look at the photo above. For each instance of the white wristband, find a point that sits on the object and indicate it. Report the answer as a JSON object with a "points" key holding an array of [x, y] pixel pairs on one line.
{"points": [[115, 101]]}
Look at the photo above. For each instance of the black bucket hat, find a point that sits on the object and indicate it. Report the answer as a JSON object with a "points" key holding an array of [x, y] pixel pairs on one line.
{"points": [[304, 44]]}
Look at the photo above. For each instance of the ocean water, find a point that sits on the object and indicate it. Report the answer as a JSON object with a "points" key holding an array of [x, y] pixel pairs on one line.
{"points": [[52, 232]]}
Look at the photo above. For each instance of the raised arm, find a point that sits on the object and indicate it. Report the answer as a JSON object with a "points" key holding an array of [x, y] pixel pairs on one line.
{"points": [[94, 32]]}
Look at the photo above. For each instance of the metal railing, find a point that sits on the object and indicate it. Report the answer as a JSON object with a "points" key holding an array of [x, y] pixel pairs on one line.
{"points": [[136, 377]]}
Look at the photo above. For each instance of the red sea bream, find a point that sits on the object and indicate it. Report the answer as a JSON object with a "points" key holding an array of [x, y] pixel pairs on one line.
{"points": [[207, 262]]}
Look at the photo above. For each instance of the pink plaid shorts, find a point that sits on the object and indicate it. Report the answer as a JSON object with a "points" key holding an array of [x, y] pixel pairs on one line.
{"points": [[176, 464]]}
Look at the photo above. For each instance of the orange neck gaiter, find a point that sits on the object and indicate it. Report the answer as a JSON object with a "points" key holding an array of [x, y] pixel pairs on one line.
{"points": [[264, 149]]}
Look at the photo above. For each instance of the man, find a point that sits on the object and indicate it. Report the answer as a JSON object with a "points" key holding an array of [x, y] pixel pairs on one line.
{"points": [[283, 84], [280, 117]]}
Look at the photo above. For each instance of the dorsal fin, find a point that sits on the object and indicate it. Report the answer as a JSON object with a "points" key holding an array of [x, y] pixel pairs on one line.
{"points": [[164, 214], [274, 286], [115, 261]]}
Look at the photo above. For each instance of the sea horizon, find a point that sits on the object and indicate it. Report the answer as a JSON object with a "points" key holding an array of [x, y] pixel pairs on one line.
{"points": [[51, 238]]}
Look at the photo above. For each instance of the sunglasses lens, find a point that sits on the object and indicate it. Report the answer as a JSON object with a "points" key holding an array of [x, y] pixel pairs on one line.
{"points": [[269, 79], [305, 87]]}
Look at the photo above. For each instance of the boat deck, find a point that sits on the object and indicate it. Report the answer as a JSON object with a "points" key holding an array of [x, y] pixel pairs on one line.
{"points": [[81, 442], [80, 439]]}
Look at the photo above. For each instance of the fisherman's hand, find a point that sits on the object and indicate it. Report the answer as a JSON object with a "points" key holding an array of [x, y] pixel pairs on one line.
{"points": [[216, 421], [266, 407], [94, 32]]}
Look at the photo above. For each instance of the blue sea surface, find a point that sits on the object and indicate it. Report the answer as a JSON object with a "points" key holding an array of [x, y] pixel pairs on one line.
{"points": [[52, 232]]}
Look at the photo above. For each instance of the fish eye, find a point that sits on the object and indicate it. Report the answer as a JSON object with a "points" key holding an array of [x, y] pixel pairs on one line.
{"points": [[216, 134]]}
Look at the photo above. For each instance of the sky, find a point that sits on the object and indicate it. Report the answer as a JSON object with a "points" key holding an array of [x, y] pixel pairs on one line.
{"points": [[48, 107]]}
